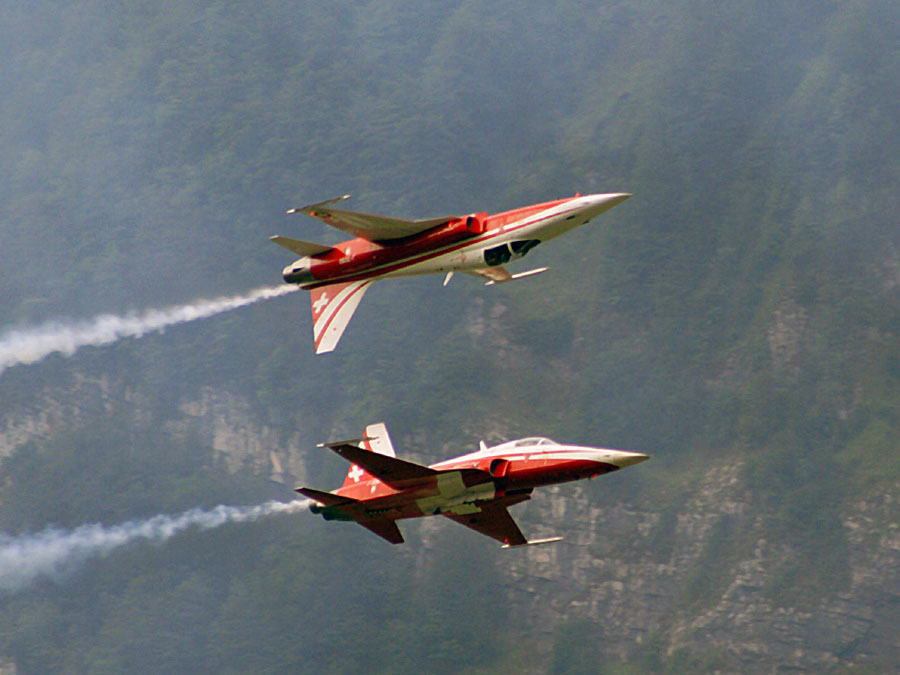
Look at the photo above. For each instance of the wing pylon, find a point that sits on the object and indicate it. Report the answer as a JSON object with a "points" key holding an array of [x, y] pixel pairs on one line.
{"points": [[500, 275]]}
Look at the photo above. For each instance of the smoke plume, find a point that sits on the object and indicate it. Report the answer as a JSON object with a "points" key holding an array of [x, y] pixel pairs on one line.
{"points": [[54, 553], [29, 345]]}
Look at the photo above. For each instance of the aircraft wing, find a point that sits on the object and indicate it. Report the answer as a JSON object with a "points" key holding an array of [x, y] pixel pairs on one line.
{"points": [[332, 307], [366, 225], [395, 472], [493, 521]]}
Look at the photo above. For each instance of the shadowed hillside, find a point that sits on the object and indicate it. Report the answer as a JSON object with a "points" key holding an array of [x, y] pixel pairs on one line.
{"points": [[737, 319]]}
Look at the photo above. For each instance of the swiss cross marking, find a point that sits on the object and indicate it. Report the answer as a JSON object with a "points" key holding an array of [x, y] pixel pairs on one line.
{"points": [[355, 473], [319, 304]]}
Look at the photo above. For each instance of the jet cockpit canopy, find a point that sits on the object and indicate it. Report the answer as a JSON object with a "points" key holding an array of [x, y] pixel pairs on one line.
{"points": [[529, 442]]}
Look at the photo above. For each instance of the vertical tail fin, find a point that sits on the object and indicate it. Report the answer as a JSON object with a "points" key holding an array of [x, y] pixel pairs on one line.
{"points": [[378, 440], [375, 439], [332, 307]]}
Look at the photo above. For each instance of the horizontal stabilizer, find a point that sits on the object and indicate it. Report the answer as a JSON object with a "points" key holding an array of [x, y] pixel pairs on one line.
{"points": [[301, 248], [326, 498], [395, 472], [534, 542], [386, 529]]}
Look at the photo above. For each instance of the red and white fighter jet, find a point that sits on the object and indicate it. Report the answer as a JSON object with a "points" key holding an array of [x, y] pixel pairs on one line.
{"points": [[474, 490], [478, 244]]}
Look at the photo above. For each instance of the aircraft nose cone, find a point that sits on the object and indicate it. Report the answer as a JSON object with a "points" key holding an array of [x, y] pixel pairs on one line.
{"points": [[613, 199], [594, 205], [630, 458], [620, 197]]}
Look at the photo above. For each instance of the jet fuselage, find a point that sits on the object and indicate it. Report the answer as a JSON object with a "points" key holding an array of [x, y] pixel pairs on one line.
{"points": [[474, 489], [467, 243], [478, 244]]}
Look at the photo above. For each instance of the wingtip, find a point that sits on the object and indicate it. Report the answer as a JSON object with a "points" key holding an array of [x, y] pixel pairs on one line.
{"points": [[534, 542], [350, 441], [312, 207]]}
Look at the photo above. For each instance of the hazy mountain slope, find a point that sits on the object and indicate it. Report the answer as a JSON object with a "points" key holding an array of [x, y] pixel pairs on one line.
{"points": [[737, 319]]}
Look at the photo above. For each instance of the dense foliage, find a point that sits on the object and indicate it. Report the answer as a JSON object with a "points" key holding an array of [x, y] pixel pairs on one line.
{"points": [[742, 306]]}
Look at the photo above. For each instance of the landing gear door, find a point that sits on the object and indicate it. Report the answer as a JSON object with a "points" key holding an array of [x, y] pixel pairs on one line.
{"points": [[521, 248], [498, 255]]}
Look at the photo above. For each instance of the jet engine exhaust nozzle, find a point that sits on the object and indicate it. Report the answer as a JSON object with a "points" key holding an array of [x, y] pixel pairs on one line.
{"points": [[297, 273]]}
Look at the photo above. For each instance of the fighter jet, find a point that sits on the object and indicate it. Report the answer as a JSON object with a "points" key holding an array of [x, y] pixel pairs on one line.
{"points": [[477, 244], [474, 490]]}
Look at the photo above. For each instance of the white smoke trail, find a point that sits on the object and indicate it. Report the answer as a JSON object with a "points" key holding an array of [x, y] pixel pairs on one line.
{"points": [[29, 345], [54, 552]]}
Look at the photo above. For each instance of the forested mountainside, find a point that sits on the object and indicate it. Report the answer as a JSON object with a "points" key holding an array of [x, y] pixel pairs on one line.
{"points": [[738, 319]]}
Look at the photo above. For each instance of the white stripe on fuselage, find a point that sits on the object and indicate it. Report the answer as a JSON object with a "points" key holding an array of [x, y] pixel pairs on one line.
{"points": [[536, 452], [467, 254]]}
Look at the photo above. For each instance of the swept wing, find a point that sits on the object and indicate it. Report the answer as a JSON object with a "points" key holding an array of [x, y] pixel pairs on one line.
{"points": [[494, 521], [395, 472], [367, 225]]}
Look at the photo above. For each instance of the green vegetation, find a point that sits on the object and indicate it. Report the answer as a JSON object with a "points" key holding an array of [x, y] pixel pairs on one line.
{"points": [[741, 310]]}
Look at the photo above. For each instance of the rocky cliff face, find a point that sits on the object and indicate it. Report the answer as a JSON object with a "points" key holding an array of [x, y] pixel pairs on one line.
{"points": [[55, 407], [668, 582], [227, 424], [706, 576], [697, 577], [221, 420]]}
